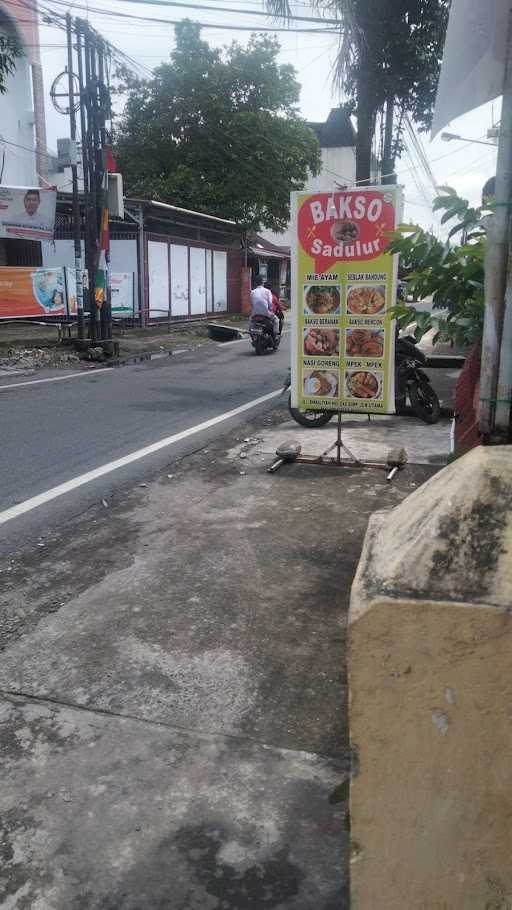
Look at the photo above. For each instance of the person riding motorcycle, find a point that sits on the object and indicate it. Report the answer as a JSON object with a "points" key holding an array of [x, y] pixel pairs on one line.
{"points": [[276, 307], [261, 304]]}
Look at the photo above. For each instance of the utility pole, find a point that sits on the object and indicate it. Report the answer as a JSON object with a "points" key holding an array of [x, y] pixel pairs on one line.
{"points": [[94, 107], [76, 200], [388, 161], [496, 365], [91, 139], [85, 159], [103, 103]]}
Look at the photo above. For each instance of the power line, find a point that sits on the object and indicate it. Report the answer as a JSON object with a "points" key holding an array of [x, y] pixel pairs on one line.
{"points": [[58, 22], [208, 25], [420, 152], [224, 9], [25, 148]]}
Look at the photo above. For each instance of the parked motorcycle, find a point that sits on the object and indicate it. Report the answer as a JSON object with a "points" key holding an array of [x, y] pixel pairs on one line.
{"points": [[410, 383], [261, 333]]}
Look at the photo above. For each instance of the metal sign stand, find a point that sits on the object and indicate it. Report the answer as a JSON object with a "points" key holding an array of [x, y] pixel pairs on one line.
{"points": [[291, 452]]}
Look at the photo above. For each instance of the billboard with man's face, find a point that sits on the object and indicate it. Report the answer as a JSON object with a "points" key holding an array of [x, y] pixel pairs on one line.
{"points": [[27, 213]]}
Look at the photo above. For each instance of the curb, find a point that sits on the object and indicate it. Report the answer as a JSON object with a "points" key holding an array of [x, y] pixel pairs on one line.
{"points": [[144, 356]]}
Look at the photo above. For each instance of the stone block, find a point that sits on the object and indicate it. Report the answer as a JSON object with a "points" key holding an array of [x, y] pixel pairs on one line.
{"points": [[431, 695]]}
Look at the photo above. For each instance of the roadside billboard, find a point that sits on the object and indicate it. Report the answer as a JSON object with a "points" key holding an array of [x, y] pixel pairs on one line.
{"points": [[343, 286], [121, 286], [26, 292], [27, 213]]}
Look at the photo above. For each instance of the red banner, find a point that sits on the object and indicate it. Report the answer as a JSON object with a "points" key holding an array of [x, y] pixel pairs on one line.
{"points": [[345, 226]]}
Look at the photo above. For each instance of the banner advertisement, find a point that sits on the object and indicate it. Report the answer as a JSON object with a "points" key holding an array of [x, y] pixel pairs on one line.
{"points": [[121, 287], [343, 286], [26, 292], [27, 213]]}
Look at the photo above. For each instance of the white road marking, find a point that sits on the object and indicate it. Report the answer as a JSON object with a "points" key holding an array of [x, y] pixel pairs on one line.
{"points": [[19, 385], [70, 485]]}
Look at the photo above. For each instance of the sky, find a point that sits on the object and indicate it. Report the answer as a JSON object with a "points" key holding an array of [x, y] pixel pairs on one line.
{"points": [[463, 165]]}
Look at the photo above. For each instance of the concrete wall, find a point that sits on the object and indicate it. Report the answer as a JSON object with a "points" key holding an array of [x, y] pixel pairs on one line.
{"points": [[17, 139], [123, 257], [431, 696], [338, 166], [22, 116]]}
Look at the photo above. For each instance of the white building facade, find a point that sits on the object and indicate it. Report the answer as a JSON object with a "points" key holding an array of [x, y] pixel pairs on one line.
{"points": [[22, 118], [337, 140]]}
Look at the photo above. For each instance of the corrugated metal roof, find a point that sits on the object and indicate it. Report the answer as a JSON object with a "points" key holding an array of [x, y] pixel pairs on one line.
{"points": [[175, 208]]}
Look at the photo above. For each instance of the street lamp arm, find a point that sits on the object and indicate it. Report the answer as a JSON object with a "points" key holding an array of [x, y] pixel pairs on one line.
{"points": [[447, 137]]}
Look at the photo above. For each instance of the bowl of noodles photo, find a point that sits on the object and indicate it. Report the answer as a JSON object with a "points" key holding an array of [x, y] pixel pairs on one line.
{"points": [[322, 299], [363, 384], [366, 300], [320, 384]]}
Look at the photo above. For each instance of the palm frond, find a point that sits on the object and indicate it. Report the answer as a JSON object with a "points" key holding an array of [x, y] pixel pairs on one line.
{"points": [[344, 10], [280, 9]]}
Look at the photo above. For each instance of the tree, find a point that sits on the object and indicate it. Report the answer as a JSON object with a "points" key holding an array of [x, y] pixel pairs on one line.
{"points": [[10, 50], [389, 58], [452, 274], [218, 132]]}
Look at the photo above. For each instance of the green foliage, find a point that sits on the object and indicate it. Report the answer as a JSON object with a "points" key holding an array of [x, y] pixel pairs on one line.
{"points": [[218, 132], [397, 46], [388, 50], [452, 274], [10, 50]]}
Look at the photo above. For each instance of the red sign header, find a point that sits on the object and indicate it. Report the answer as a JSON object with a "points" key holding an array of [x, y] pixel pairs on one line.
{"points": [[345, 226]]}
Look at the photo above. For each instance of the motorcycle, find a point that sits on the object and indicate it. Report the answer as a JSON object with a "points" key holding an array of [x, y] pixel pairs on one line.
{"points": [[410, 382], [261, 333]]}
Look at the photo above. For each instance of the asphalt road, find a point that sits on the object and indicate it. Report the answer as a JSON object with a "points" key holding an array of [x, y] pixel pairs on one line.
{"points": [[54, 432]]}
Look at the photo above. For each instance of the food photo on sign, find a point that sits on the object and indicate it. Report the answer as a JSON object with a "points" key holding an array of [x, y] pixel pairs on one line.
{"points": [[321, 342], [366, 299], [322, 300], [343, 287], [364, 343], [321, 383]]}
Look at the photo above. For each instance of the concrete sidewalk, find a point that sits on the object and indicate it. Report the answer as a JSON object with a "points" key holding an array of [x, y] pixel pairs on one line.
{"points": [[173, 685]]}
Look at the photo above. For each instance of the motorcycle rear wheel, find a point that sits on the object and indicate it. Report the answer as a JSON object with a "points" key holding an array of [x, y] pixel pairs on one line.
{"points": [[310, 419], [424, 402]]}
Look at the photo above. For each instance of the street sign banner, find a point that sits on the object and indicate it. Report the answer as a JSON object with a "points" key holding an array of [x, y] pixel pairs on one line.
{"points": [[343, 286], [121, 288], [26, 292], [27, 213]]}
